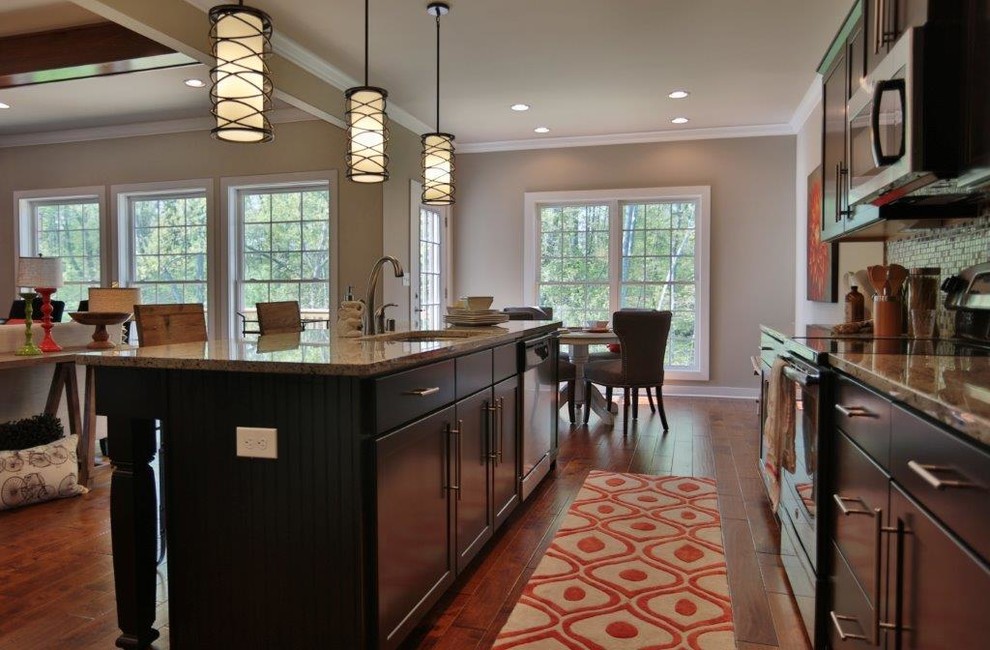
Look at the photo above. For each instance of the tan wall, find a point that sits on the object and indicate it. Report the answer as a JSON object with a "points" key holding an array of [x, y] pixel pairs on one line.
{"points": [[298, 147], [752, 224]]}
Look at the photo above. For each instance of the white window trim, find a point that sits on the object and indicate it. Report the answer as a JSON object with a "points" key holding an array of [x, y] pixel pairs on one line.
{"points": [[700, 193], [121, 237], [23, 230], [229, 235], [415, 203]]}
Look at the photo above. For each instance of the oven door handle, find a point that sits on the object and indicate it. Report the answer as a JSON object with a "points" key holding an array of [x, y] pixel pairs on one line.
{"points": [[800, 376]]}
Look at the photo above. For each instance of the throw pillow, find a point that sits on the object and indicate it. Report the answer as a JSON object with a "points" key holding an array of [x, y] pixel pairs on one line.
{"points": [[39, 474], [614, 348], [30, 432]]}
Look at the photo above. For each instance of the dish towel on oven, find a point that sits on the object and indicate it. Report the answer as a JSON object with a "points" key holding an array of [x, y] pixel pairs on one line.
{"points": [[779, 430]]}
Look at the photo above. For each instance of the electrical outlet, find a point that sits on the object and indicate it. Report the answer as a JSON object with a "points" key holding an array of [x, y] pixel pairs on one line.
{"points": [[255, 442], [405, 280]]}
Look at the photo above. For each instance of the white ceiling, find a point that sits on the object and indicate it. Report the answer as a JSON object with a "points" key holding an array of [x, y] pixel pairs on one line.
{"points": [[587, 67], [146, 96]]}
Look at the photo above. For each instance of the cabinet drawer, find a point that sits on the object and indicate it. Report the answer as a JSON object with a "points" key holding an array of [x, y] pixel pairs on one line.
{"points": [[944, 473], [865, 417], [506, 362], [863, 489], [474, 372], [943, 588], [850, 614], [407, 395]]}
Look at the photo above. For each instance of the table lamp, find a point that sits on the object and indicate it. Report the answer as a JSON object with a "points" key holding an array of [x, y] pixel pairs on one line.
{"points": [[44, 274]]}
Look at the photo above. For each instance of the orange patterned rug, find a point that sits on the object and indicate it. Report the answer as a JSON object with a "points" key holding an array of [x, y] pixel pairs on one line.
{"points": [[638, 563]]}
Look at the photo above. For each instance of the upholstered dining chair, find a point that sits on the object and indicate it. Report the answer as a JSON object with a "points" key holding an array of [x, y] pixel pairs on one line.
{"points": [[643, 344], [170, 324], [612, 353]]}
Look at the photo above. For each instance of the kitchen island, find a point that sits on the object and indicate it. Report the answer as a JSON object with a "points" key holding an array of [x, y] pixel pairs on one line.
{"points": [[397, 458]]}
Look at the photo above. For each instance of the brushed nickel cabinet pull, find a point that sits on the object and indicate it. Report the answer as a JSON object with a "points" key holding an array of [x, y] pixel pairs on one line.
{"points": [[925, 472], [878, 530], [840, 500], [838, 194], [842, 198], [500, 406], [456, 433], [877, 26], [423, 392], [843, 635], [855, 411]]}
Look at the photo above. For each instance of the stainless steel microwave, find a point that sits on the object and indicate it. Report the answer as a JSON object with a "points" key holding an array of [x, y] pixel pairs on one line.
{"points": [[904, 122]]}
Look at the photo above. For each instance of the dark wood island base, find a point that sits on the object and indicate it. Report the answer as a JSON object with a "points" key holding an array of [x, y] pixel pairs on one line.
{"points": [[346, 539]]}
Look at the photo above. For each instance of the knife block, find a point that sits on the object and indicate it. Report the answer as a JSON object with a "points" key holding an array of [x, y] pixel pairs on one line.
{"points": [[887, 316]]}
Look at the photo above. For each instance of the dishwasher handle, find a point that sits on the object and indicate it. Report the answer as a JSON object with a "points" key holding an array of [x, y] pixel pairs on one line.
{"points": [[536, 352]]}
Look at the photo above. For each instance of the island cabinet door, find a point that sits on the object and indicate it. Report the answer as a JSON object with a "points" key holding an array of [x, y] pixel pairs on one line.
{"points": [[505, 442], [415, 557], [941, 586], [472, 469]]}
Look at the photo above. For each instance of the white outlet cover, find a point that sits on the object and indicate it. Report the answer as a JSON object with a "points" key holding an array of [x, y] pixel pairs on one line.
{"points": [[257, 442]]}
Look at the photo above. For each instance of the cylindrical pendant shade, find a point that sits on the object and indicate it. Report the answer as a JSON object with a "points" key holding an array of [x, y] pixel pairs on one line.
{"points": [[35, 272], [242, 85], [367, 134], [438, 169]]}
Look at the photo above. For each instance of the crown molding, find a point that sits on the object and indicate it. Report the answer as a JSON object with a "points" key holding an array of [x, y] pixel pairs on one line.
{"points": [[755, 131], [812, 97], [279, 116], [331, 74]]}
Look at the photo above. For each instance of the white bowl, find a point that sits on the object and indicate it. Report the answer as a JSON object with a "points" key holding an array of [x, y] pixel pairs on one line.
{"points": [[596, 324], [478, 303]]}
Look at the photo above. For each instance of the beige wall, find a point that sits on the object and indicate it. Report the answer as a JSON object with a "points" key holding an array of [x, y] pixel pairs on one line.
{"points": [[752, 225], [298, 147]]}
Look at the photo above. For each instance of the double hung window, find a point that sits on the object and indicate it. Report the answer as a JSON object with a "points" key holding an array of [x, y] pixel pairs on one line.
{"points": [[592, 253]]}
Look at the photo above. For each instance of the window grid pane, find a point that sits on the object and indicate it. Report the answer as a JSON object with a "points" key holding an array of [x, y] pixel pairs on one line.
{"points": [[574, 262], [70, 229], [658, 270], [430, 298], [169, 244], [285, 249]]}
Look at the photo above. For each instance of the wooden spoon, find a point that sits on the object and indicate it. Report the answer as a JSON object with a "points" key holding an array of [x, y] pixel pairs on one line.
{"points": [[896, 275]]}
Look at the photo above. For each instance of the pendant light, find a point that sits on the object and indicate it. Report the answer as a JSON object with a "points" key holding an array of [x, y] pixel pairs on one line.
{"points": [[438, 147], [242, 84], [367, 126]]}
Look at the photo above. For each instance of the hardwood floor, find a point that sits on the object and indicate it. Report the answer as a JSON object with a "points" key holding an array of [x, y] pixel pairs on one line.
{"points": [[56, 578]]}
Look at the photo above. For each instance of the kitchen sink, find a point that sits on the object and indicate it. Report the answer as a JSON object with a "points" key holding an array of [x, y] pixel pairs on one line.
{"points": [[424, 336]]}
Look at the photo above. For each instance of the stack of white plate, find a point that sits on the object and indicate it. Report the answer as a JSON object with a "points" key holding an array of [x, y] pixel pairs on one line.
{"points": [[456, 316]]}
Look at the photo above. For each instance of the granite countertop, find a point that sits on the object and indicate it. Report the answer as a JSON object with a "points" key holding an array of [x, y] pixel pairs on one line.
{"points": [[317, 352], [954, 390]]}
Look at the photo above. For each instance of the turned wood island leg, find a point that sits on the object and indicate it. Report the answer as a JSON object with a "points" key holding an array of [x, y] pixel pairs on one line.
{"points": [[133, 520]]}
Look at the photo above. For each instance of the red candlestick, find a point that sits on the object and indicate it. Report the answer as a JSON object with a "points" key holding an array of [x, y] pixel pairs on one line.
{"points": [[48, 344]]}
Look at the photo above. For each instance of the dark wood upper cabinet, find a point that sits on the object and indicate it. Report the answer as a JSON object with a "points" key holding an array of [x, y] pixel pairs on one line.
{"points": [[836, 80], [884, 21]]}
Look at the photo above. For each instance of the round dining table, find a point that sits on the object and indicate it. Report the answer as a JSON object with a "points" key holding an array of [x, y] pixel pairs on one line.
{"points": [[579, 340]]}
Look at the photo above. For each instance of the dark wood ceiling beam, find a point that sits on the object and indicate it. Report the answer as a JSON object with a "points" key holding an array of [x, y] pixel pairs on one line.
{"points": [[79, 52]]}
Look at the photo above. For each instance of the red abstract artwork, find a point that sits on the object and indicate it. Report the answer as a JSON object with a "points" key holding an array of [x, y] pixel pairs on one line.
{"points": [[822, 271]]}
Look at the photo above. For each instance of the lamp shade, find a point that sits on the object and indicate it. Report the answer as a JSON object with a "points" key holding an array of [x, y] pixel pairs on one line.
{"points": [[114, 299], [367, 134], [438, 169], [242, 85], [34, 272]]}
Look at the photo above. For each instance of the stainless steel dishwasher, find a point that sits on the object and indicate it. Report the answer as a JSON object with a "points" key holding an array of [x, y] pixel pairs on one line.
{"points": [[540, 402]]}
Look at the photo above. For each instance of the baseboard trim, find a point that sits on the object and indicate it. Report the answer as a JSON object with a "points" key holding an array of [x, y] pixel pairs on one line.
{"points": [[726, 392]]}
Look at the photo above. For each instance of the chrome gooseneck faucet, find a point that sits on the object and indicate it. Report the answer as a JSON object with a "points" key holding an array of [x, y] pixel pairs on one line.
{"points": [[373, 324]]}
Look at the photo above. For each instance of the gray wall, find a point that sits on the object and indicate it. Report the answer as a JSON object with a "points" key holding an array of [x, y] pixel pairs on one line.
{"points": [[752, 225]]}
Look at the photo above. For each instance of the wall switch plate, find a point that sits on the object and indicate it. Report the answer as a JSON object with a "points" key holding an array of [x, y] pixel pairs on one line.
{"points": [[405, 280], [256, 442]]}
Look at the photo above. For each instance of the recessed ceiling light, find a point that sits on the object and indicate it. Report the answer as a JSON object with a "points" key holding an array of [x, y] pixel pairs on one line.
{"points": [[194, 83], [541, 129], [678, 94], [680, 120], [520, 107], [2, 105]]}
